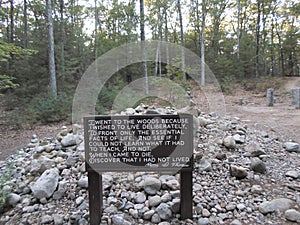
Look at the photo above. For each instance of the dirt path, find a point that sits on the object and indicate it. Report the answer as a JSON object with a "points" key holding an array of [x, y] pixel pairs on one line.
{"points": [[283, 117]]}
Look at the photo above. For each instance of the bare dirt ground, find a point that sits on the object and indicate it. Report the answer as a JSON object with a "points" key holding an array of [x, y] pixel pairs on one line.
{"points": [[283, 118]]}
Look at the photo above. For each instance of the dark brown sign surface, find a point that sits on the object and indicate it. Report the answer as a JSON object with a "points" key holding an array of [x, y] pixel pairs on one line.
{"points": [[139, 142]]}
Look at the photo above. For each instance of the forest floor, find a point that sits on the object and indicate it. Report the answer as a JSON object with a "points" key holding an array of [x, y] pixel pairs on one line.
{"points": [[282, 118]]}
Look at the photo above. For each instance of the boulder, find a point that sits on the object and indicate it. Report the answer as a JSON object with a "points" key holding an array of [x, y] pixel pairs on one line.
{"points": [[46, 184]]}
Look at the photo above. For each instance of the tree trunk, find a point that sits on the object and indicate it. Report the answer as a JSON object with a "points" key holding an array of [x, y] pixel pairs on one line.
{"points": [[257, 43], [202, 43], [25, 25], [12, 22], [182, 65], [96, 31], [62, 40], [238, 28], [144, 63], [166, 35], [51, 49], [272, 44]]}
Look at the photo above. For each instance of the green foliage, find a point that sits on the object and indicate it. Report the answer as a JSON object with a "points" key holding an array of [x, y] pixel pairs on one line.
{"points": [[48, 109], [8, 50], [228, 84], [4, 177], [6, 82]]}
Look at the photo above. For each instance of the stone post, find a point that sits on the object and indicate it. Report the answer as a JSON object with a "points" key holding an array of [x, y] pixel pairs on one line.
{"points": [[296, 97], [270, 97]]}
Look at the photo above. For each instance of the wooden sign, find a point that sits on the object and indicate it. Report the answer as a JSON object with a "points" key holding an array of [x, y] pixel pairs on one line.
{"points": [[138, 143]]}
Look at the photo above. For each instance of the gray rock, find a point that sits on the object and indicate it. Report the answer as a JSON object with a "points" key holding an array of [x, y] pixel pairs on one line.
{"points": [[229, 142], [13, 199], [254, 149], [28, 209], [164, 211], [173, 184], [46, 184], [175, 205], [292, 215], [231, 206], [82, 221], [258, 166], [203, 221], [257, 189], [147, 215], [152, 185], [58, 219], [236, 222], [83, 182], [205, 213], [164, 223], [241, 206], [291, 147], [110, 209], [60, 193], [264, 134], [155, 218], [293, 174], [130, 111], [71, 161], [70, 140], [118, 219], [204, 122], [166, 197], [266, 207], [107, 181], [79, 200], [154, 201], [239, 139], [46, 219], [41, 164], [140, 197], [281, 204], [238, 171], [221, 156], [205, 165]]}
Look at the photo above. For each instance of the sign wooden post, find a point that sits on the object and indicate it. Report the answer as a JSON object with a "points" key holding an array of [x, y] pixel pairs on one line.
{"points": [[138, 143], [186, 194], [95, 197]]}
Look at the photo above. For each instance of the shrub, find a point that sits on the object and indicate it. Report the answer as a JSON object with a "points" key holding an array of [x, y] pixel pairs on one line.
{"points": [[48, 108], [228, 84]]}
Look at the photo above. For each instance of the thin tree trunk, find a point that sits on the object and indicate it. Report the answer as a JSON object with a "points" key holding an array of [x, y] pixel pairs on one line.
{"points": [[202, 43], [142, 24], [166, 35], [25, 25], [51, 49], [182, 65], [62, 41], [272, 45], [12, 22], [281, 59], [257, 42], [238, 29], [96, 31]]}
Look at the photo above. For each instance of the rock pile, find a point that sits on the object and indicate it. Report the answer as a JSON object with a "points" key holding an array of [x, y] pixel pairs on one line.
{"points": [[241, 176]]}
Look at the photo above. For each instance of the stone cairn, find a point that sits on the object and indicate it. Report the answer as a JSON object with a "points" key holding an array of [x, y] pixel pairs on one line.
{"points": [[241, 176]]}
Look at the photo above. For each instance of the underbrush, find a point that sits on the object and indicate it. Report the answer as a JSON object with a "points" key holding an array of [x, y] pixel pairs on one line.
{"points": [[263, 84]]}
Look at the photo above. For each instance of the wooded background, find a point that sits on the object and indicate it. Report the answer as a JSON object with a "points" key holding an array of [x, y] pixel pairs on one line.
{"points": [[46, 46]]}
